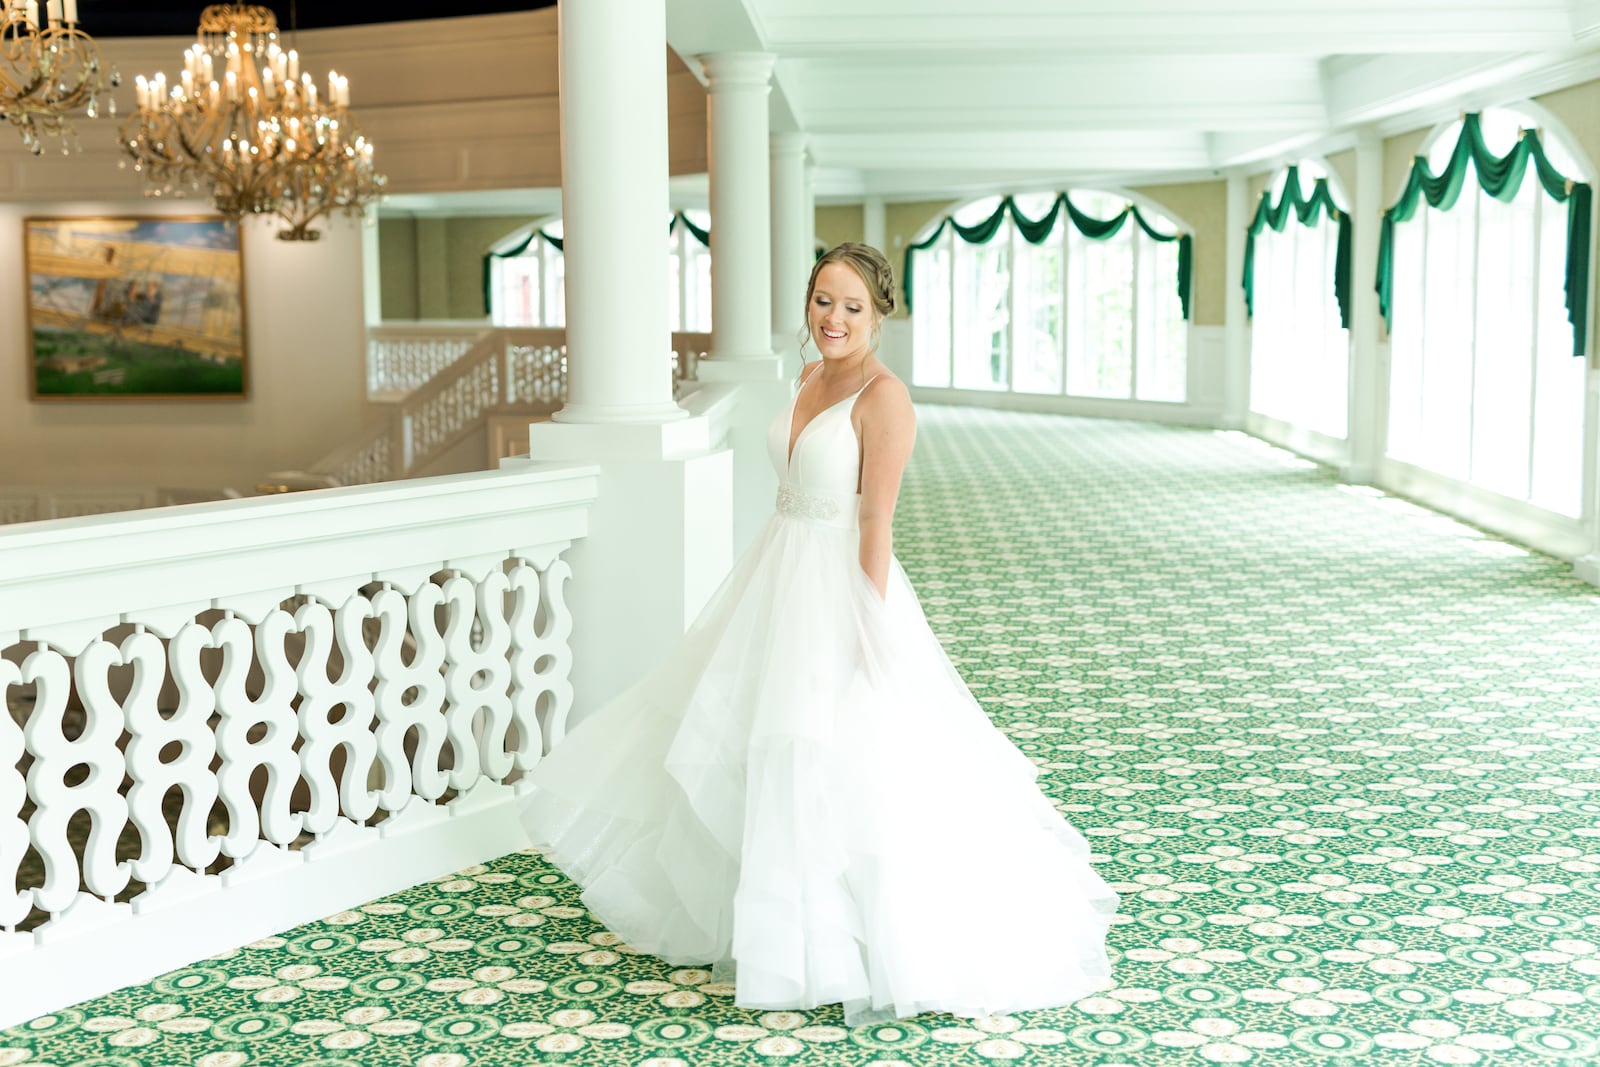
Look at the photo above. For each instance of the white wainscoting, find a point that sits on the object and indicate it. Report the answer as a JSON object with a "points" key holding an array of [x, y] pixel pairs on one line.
{"points": [[1546, 531], [1331, 451], [1203, 407]]}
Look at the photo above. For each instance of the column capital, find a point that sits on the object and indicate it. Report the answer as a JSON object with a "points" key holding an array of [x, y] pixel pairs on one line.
{"points": [[737, 70], [787, 143]]}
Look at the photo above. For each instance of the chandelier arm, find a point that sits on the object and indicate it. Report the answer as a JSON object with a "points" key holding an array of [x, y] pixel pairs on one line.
{"points": [[51, 69]]}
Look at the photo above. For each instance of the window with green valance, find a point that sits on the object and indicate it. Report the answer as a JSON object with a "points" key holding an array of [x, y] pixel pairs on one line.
{"points": [[524, 284], [1500, 176], [1052, 294], [1035, 231], [1308, 211], [1484, 278], [1297, 290]]}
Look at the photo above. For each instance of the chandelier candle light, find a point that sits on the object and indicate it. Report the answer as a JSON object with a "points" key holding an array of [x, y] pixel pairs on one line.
{"points": [[245, 122], [49, 68]]}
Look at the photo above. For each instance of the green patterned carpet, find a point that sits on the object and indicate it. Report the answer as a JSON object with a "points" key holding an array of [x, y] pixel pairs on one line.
{"points": [[1338, 753]]}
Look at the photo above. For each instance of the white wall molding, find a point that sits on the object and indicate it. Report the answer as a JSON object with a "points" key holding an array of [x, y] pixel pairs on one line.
{"points": [[1545, 531], [1329, 451]]}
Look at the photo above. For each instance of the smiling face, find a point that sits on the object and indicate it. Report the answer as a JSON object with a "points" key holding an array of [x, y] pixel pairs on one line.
{"points": [[841, 313]]}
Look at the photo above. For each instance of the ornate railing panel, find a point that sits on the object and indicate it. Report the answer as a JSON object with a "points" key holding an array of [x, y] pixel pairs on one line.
{"points": [[404, 357], [522, 368], [325, 697]]}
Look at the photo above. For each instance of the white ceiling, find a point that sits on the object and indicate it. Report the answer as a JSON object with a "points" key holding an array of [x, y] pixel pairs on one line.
{"points": [[940, 97]]}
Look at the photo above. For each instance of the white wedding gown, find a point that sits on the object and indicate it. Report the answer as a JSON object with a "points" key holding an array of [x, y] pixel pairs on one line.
{"points": [[805, 795]]}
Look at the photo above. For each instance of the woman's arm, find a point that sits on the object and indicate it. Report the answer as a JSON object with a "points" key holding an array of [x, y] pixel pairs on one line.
{"points": [[888, 429]]}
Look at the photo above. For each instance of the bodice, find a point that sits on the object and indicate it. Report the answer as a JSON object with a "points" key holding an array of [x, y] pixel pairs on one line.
{"points": [[818, 481]]}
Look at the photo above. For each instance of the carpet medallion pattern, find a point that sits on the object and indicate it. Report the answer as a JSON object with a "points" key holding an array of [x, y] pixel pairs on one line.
{"points": [[1339, 755]]}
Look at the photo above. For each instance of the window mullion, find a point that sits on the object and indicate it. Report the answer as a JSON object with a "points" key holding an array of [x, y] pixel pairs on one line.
{"points": [[541, 250], [1066, 291], [1011, 304], [950, 276], [1472, 376], [1424, 253], [1133, 310], [1537, 252]]}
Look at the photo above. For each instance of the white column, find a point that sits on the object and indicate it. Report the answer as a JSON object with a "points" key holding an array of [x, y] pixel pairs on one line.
{"points": [[1236, 329], [1587, 566], [661, 532], [791, 256], [1369, 367], [742, 357], [613, 84], [808, 222], [873, 227], [737, 84]]}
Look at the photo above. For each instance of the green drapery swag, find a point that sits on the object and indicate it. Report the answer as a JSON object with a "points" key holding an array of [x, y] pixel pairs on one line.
{"points": [[1307, 210], [1034, 231], [1501, 177], [703, 236]]}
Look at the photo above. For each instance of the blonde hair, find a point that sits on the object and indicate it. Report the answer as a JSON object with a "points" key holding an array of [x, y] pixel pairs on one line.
{"points": [[873, 268]]}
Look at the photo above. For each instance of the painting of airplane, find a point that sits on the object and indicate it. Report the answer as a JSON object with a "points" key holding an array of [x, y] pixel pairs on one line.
{"points": [[136, 308]]}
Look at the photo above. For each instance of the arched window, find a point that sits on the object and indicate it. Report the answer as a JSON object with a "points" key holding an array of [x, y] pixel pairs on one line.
{"points": [[1483, 384], [1299, 343], [527, 276], [1092, 310], [527, 280]]}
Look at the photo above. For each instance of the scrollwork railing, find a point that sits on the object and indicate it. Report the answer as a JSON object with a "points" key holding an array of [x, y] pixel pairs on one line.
{"points": [[304, 694], [404, 357]]}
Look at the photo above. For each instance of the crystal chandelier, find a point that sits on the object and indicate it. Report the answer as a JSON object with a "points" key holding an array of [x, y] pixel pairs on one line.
{"points": [[48, 69], [244, 122]]}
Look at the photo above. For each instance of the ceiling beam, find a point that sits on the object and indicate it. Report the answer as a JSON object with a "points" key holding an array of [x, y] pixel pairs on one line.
{"points": [[1234, 93], [1154, 27], [1043, 151]]}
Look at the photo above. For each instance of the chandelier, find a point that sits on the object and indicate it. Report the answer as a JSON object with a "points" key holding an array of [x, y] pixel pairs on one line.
{"points": [[245, 122], [47, 70]]}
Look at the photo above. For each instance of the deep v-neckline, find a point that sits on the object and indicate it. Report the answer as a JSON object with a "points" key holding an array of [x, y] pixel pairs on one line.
{"points": [[794, 405]]}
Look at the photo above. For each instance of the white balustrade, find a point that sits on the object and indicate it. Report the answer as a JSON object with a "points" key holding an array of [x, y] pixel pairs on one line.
{"points": [[448, 377], [506, 367], [404, 357], [325, 697]]}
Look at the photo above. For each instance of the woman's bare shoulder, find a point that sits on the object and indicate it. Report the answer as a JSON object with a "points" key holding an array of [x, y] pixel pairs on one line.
{"points": [[886, 396]]}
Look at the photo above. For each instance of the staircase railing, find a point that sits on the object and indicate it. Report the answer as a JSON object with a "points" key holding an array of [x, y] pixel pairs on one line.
{"points": [[404, 357], [525, 369]]}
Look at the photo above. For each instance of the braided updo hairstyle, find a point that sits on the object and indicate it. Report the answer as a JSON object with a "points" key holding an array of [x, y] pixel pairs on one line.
{"points": [[873, 267]]}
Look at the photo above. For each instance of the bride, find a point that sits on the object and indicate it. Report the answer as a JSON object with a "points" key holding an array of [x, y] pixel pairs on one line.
{"points": [[805, 795]]}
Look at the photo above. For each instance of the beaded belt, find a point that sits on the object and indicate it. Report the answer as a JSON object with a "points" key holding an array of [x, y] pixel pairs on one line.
{"points": [[831, 509]]}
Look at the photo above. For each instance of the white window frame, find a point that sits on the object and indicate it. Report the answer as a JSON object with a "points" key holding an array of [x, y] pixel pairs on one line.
{"points": [[1560, 533], [679, 240], [1157, 214], [1287, 424]]}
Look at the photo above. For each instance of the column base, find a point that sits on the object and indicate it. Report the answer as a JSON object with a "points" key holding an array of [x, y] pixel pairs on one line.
{"points": [[1358, 474], [756, 367], [1588, 568], [614, 414], [660, 541], [762, 390]]}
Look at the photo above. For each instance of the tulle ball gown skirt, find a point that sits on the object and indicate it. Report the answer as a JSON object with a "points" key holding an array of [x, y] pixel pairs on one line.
{"points": [[806, 796]]}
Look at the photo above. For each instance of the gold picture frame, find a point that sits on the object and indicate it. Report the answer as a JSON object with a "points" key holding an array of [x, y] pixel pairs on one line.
{"points": [[135, 307]]}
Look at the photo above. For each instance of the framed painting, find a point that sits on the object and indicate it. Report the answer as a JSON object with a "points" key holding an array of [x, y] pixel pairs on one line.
{"points": [[135, 308]]}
